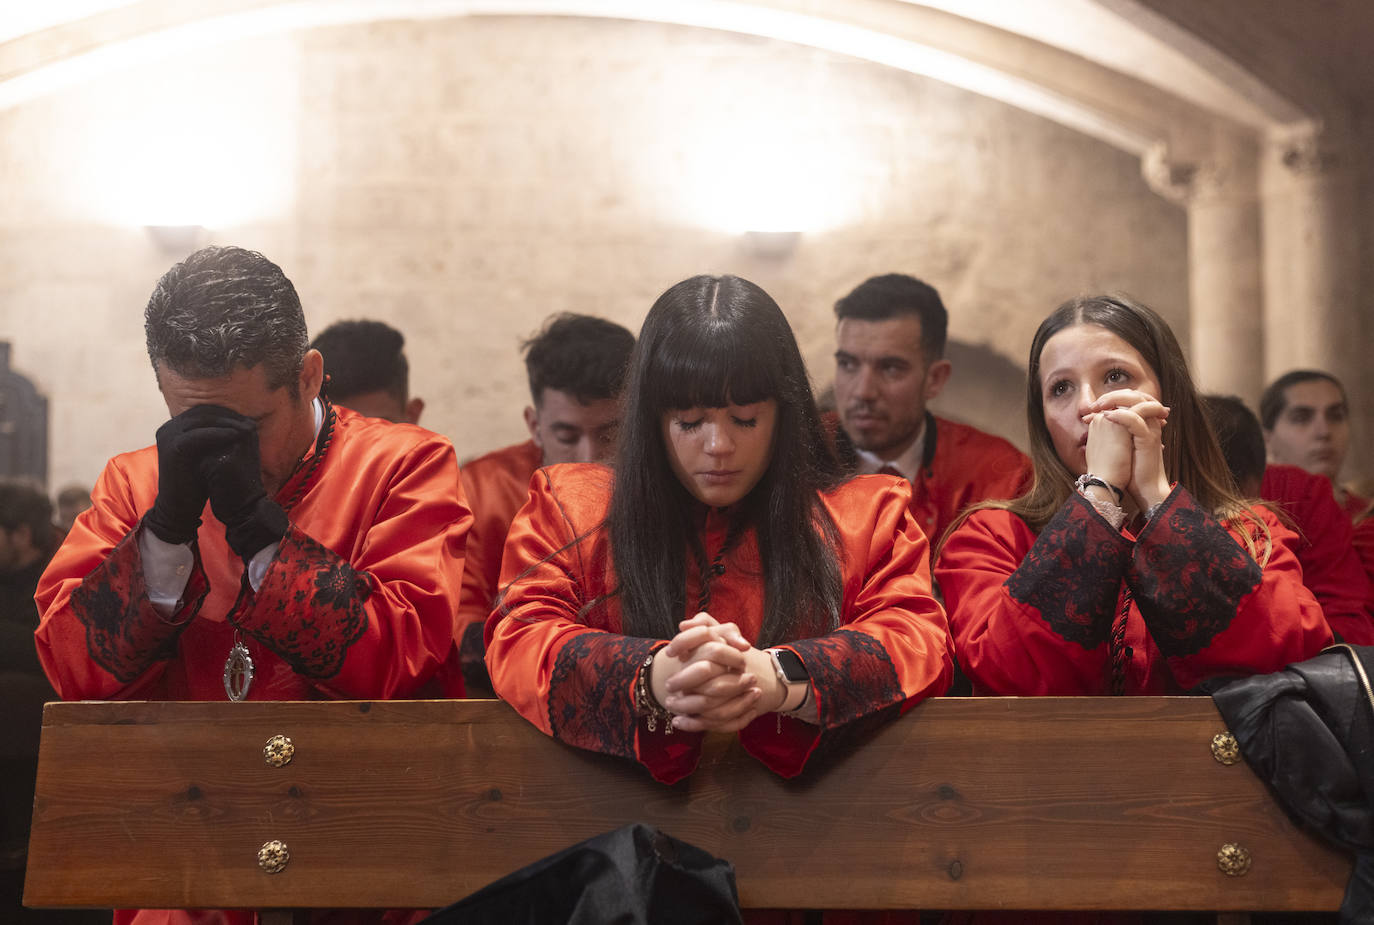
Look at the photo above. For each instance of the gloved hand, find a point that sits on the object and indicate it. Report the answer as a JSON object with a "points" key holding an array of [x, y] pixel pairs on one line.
{"points": [[182, 443], [233, 479]]}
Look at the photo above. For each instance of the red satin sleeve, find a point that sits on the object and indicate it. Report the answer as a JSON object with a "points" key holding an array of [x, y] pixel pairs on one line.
{"points": [[1331, 565], [1049, 637], [893, 648], [1211, 608], [1035, 615], [564, 668], [99, 637]]}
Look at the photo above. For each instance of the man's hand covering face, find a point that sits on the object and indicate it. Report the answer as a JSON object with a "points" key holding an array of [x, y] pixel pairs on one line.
{"points": [[182, 445], [232, 472]]}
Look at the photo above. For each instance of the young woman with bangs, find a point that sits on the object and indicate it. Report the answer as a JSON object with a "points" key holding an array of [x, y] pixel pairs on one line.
{"points": [[1131, 566], [723, 577]]}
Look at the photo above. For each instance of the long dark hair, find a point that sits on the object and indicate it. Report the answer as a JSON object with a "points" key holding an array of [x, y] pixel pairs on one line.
{"points": [[708, 342]]}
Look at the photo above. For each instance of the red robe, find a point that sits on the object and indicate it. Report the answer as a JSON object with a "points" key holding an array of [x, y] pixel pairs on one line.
{"points": [[1330, 566], [496, 486], [960, 466], [572, 674], [1035, 615], [358, 602], [1362, 537], [1355, 506], [375, 547]]}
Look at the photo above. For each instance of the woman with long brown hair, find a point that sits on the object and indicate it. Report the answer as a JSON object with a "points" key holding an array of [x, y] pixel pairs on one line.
{"points": [[1131, 566]]}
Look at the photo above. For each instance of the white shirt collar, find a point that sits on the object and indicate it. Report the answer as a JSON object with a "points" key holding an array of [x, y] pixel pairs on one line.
{"points": [[908, 464]]}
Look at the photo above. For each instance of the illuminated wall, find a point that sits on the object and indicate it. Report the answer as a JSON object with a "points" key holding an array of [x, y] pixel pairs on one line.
{"points": [[464, 178]]}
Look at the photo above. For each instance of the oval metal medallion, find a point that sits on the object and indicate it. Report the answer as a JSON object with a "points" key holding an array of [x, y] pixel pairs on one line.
{"points": [[238, 672]]}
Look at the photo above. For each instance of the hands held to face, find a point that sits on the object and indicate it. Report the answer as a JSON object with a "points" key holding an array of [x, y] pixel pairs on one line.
{"points": [[210, 453], [714, 680], [1125, 445]]}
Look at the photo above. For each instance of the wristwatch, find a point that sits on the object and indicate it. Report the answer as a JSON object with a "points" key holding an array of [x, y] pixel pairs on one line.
{"points": [[788, 666]]}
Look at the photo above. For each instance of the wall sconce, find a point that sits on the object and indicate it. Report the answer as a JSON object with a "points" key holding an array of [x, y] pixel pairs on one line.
{"points": [[771, 245], [176, 240]]}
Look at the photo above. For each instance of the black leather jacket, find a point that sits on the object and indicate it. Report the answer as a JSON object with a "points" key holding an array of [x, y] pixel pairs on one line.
{"points": [[1308, 731]]}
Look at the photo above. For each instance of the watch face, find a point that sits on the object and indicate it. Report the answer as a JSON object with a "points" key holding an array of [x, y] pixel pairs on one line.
{"points": [[792, 666]]}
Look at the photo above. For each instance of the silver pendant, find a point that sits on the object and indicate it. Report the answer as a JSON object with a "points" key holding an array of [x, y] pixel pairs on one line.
{"points": [[238, 672]]}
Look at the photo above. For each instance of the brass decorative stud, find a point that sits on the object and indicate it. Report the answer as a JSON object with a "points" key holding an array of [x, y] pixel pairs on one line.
{"points": [[1233, 860], [1225, 749], [273, 856], [279, 751]]}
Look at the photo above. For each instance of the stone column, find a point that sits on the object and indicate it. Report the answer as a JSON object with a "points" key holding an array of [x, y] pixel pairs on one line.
{"points": [[1312, 245], [1225, 279], [1317, 308]]}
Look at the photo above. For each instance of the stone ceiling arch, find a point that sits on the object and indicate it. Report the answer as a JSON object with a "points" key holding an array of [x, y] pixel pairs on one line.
{"points": [[1117, 105]]}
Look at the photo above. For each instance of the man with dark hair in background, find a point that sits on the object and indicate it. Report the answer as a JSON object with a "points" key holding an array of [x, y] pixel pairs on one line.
{"points": [[576, 367], [889, 363], [367, 370], [269, 546], [1306, 420], [1331, 568]]}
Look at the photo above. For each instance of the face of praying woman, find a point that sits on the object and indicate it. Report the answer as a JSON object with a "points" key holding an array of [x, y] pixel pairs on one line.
{"points": [[719, 454], [1079, 365]]}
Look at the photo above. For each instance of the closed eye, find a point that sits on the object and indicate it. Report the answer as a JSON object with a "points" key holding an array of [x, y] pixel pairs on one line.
{"points": [[745, 422], [688, 426]]}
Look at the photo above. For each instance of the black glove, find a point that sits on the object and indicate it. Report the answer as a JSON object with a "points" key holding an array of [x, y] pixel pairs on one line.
{"points": [[182, 443], [233, 478]]}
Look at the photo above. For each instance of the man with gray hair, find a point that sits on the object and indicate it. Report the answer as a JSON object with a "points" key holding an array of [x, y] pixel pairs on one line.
{"points": [[269, 546]]}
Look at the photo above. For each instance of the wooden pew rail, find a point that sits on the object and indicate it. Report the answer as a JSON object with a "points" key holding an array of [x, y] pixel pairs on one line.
{"points": [[979, 803]]}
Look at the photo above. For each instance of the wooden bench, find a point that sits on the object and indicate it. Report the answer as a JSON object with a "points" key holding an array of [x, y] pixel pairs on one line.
{"points": [[979, 803]]}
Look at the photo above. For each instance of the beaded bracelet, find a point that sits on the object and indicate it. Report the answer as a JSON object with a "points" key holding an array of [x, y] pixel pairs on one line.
{"points": [[1088, 478], [646, 704], [1111, 513]]}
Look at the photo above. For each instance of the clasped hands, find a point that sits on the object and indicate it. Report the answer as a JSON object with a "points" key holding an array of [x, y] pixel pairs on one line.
{"points": [[1125, 445], [210, 453], [713, 679]]}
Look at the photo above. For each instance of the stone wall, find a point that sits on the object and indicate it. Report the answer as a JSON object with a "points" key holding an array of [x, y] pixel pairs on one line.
{"points": [[464, 178]]}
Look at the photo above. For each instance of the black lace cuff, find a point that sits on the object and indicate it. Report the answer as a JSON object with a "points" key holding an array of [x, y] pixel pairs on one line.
{"points": [[124, 632], [1189, 576], [309, 609], [589, 694], [1073, 573], [857, 690]]}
